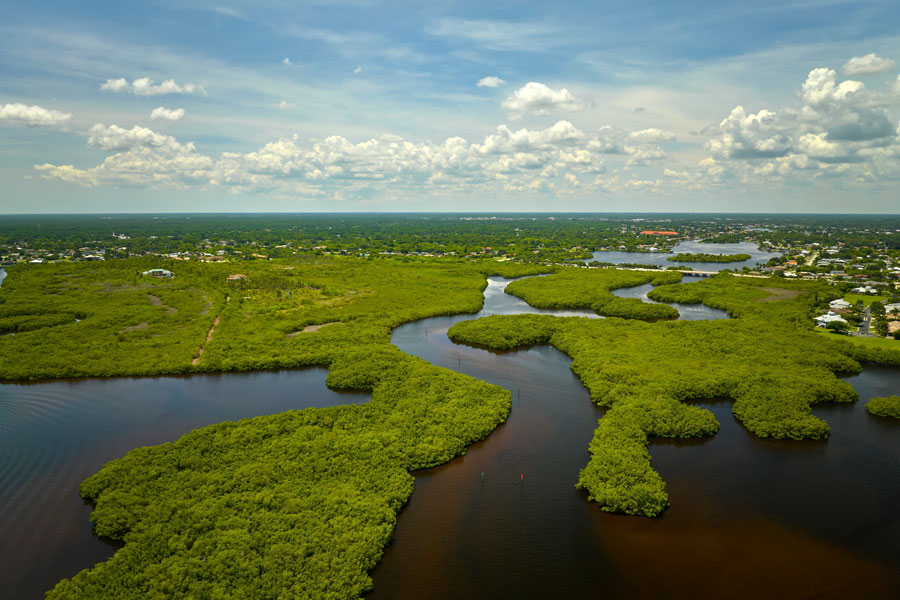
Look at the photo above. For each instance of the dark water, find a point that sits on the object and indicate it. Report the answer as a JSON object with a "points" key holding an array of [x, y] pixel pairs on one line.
{"points": [[693, 247], [53, 435], [750, 518]]}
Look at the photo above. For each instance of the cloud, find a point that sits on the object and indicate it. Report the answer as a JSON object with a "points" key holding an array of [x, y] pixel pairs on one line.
{"points": [[32, 116], [843, 134], [836, 133], [538, 98], [144, 86], [358, 70], [504, 158], [284, 105], [359, 44], [820, 88], [167, 114], [490, 81], [287, 61], [229, 12], [117, 138], [870, 64], [757, 135], [116, 85], [652, 135], [67, 173], [499, 35], [644, 154]]}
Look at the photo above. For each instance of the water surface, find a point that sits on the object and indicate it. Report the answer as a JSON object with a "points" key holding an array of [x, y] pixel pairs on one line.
{"points": [[55, 434], [757, 256], [750, 517], [686, 312]]}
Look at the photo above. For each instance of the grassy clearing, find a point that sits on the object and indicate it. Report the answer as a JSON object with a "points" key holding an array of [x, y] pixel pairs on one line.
{"points": [[868, 342], [866, 299]]}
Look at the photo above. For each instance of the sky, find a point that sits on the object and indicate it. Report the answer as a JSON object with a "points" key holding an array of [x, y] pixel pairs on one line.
{"points": [[356, 105]]}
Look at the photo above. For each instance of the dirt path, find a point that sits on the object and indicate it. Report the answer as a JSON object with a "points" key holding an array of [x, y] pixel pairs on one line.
{"points": [[779, 294], [312, 328], [209, 335], [133, 328], [157, 301]]}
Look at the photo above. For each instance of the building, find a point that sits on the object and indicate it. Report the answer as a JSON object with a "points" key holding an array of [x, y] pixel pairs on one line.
{"points": [[840, 303], [237, 277], [824, 320], [659, 233], [864, 290], [158, 273]]}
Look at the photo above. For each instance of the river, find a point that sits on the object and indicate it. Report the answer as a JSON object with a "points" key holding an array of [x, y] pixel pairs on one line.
{"points": [[748, 515], [757, 256]]}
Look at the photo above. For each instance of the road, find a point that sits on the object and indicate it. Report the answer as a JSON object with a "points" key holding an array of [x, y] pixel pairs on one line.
{"points": [[866, 322]]}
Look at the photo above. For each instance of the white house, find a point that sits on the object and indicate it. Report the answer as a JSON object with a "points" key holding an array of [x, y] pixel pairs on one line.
{"points": [[839, 303], [864, 290], [824, 320]]}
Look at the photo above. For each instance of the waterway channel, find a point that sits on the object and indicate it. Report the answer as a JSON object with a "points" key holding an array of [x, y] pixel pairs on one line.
{"points": [[748, 516], [661, 259]]}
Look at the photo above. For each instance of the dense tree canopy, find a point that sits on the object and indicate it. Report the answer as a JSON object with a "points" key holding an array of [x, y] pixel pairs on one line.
{"points": [[590, 288], [767, 360], [885, 407], [301, 504], [292, 505]]}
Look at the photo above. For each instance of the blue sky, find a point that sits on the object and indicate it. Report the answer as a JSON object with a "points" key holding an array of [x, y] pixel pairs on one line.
{"points": [[787, 106]]}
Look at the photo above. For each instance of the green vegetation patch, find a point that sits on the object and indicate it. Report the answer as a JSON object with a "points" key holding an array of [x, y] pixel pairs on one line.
{"points": [[885, 407], [143, 325], [874, 343], [708, 258], [296, 505], [299, 504], [864, 298], [768, 361], [590, 289]]}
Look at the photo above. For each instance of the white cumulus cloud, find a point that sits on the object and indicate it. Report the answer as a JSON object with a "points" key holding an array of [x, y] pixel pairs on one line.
{"points": [[284, 105], [144, 86], [870, 64], [538, 98], [490, 81], [651, 136], [116, 85], [32, 116], [114, 137], [167, 114]]}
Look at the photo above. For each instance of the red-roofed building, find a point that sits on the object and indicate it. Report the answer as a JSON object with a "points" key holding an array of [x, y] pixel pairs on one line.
{"points": [[659, 233]]}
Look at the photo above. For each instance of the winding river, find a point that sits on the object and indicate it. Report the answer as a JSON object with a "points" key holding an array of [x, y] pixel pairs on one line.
{"points": [[748, 516]]}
